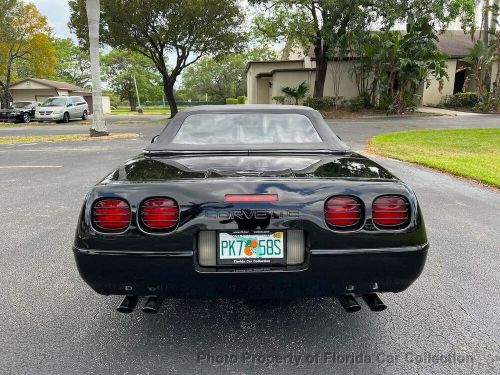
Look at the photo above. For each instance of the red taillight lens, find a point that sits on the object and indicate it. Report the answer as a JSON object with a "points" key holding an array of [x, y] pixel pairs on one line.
{"points": [[111, 214], [159, 214], [343, 212], [390, 211]]}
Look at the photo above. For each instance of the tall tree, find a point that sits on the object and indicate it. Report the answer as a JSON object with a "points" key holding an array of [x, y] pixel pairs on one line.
{"points": [[25, 44], [93, 17], [439, 12], [223, 77], [73, 63], [120, 67], [186, 29], [319, 24], [324, 24]]}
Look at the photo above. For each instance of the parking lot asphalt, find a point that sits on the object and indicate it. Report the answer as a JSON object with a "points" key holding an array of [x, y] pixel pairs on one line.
{"points": [[448, 322]]}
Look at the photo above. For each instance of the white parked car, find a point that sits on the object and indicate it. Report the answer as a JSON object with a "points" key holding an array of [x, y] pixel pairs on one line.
{"points": [[62, 108]]}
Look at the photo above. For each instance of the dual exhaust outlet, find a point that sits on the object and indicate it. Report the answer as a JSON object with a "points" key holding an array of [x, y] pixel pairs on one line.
{"points": [[348, 302], [372, 300], [129, 303]]}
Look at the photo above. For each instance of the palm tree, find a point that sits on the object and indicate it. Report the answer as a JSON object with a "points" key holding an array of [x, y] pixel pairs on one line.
{"points": [[297, 93], [480, 59], [93, 15]]}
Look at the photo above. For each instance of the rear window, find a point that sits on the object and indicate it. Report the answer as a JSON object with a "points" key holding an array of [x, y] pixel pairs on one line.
{"points": [[245, 128]]}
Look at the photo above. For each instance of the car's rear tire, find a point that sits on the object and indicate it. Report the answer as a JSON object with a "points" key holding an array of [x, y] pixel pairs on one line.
{"points": [[85, 114], [65, 118], [26, 118]]}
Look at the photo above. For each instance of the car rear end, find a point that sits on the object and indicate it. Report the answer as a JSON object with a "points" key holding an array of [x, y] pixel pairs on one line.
{"points": [[251, 237]]}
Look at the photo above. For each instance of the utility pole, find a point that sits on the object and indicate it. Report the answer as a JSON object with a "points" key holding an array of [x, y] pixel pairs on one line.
{"points": [[98, 128], [137, 91]]}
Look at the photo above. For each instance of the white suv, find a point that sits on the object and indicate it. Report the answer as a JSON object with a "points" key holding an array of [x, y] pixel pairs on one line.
{"points": [[62, 108]]}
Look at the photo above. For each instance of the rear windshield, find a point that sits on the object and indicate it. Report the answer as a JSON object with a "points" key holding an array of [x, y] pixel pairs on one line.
{"points": [[246, 128]]}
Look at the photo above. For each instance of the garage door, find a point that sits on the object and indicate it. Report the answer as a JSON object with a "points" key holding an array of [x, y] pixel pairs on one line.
{"points": [[41, 98]]}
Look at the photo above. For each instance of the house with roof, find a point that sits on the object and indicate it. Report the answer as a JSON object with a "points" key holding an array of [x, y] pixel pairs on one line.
{"points": [[37, 90], [265, 79]]}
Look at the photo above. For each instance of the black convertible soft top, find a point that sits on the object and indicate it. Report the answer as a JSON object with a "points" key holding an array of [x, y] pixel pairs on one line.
{"points": [[164, 144]]}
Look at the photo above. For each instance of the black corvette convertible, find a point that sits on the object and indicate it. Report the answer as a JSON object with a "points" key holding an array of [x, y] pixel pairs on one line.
{"points": [[250, 202]]}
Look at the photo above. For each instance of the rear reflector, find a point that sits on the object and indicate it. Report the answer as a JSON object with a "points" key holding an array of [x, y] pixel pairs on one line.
{"points": [[343, 212], [390, 211], [207, 247], [111, 214], [159, 214], [296, 247], [241, 198]]}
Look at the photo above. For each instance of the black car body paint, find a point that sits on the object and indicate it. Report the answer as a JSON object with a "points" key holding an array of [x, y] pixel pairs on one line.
{"points": [[360, 260], [23, 113]]}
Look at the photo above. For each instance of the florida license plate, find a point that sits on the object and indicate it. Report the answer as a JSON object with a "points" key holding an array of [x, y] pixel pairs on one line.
{"points": [[251, 248]]}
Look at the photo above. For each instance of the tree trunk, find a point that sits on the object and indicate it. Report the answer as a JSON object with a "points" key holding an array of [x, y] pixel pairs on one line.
{"points": [[168, 90], [98, 128], [133, 102], [5, 97], [321, 67]]}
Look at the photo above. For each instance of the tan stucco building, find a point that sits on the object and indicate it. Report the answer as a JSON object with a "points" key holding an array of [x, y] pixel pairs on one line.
{"points": [[33, 89], [265, 79]]}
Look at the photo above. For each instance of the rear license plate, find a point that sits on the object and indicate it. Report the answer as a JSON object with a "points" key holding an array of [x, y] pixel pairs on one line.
{"points": [[245, 248]]}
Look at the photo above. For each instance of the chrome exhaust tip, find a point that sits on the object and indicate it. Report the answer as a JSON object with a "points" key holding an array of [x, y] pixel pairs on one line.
{"points": [[349, 303], [374, 302], [152, 305], [128, 304]]}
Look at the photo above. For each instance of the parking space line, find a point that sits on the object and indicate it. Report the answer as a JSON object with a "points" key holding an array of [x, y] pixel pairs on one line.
{"points": [[29, 166], [56, 150]]}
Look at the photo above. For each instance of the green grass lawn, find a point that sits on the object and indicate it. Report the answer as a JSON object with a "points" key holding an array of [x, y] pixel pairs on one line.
{"points": [[147, 111], [21, 124], [472, 153], [156, 110]]}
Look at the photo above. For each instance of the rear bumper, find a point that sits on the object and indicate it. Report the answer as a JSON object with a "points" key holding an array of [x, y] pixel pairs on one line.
{"points": [[325, 274]]}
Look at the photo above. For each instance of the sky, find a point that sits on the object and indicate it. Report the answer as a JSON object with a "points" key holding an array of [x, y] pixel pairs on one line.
{"points": [[57, 11]]}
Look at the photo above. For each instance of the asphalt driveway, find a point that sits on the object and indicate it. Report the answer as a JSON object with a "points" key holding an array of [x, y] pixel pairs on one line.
{"points": [[51, 322]]}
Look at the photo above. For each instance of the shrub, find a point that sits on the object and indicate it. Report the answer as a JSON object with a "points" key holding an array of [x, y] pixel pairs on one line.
{"points": [[488, 103], [322, 104], [140, 110], [280, 99], [296, 92], [462, 100], [242, 99], [231, 101], [359, 102]]}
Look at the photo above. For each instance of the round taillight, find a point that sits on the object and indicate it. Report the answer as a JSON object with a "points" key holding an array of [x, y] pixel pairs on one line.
{"points": [[111, 214], [390, 211], [159, 214], [343, 212]]}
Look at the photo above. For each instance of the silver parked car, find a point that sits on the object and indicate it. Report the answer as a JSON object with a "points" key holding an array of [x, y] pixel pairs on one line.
{"points": [[62, 108]]}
